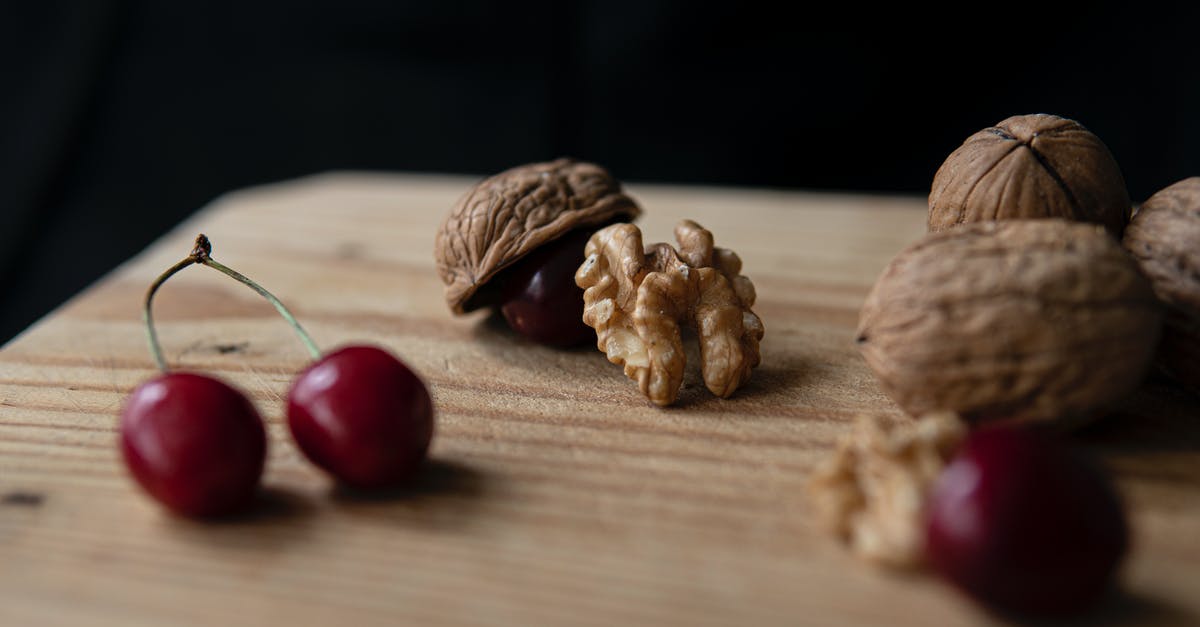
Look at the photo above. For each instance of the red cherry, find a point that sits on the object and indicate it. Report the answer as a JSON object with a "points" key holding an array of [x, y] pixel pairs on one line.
{"points": [[362, 415], [194, 443], [1023, 523], [542, 301]]}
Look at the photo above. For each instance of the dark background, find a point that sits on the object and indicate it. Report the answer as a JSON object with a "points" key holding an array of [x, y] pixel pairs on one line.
{"points": [[119, 118]]}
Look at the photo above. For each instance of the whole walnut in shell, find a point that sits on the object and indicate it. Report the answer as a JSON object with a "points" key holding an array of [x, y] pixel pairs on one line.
{"points": [[1030, 166], [1164, 237], [511, 214], [1026, 321]]}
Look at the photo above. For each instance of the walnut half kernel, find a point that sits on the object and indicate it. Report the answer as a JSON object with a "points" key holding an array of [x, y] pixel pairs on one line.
{"points": [[637, 298], [871, 491]]}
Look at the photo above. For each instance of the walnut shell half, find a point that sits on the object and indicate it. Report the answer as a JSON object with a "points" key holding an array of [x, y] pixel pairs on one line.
{"points": [[1028, 321], [1164, 237], [507, 216], [1030, 166]]}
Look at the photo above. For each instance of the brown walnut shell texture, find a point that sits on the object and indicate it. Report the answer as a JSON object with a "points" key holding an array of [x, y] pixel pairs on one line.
{"points": [[1164, 237], [1022, 321], [508, 215], [1030, 166]]}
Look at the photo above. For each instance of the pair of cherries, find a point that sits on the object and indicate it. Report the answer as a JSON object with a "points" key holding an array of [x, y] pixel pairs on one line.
{"points": [[198, 446]]}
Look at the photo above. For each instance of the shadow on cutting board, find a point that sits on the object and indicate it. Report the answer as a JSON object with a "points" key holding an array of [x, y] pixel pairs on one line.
{"points": [[781, 374], [279, 519], [1160, 416], [1120, 607], [444, 494]]}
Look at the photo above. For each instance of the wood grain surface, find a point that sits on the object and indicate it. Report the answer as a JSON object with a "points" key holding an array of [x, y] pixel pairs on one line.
{"points": [[556, 495]]}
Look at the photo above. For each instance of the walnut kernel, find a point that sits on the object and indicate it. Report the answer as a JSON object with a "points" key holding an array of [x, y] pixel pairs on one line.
{"points": [[871, 492], [636, 298]]}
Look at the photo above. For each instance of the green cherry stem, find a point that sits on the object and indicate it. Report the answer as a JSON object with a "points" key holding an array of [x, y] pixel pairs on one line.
{"points": [[148, 316], [201, 254]]}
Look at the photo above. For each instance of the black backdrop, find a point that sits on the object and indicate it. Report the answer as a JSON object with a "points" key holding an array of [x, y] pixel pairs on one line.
{"points": [[119, 118]]}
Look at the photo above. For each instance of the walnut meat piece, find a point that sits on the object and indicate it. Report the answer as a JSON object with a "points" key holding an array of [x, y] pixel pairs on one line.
{"points": [[871, 492], [1164, 237], [1030, 166], [637, 298], [1028, 321], [507, 216]]}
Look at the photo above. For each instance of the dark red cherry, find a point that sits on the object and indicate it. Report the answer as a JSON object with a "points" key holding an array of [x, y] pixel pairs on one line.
{"points": [[1025, 524], [541, 300], [362, 415], [194, 443]]}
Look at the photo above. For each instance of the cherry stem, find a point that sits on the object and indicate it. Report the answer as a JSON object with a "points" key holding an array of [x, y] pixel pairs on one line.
{"points": [[201, 254], [148, 317]]}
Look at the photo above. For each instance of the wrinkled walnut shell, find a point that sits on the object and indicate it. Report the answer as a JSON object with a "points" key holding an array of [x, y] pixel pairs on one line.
{"points": [[637, 298], [507, 216], [1028, 321], [1030, 166], [1164, 237]]}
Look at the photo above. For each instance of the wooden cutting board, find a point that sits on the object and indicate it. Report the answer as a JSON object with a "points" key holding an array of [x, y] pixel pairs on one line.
{"points": [[556, 494]]}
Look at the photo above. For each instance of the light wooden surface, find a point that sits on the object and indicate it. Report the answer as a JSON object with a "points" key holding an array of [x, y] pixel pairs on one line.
{"points": [[557, 495]]}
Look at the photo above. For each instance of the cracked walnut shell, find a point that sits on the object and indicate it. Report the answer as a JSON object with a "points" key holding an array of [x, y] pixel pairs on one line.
{"points": [[507, 216], [1030, 166], [1164, 238], [1025, 321], [637, 298], [871, 491]]}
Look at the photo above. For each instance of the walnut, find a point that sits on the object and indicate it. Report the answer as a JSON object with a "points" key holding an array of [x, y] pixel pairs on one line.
{"points": [[1027, 320], [1030, 166], [507, 216], [871, 492], [637, 298], [1164, 237]]}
